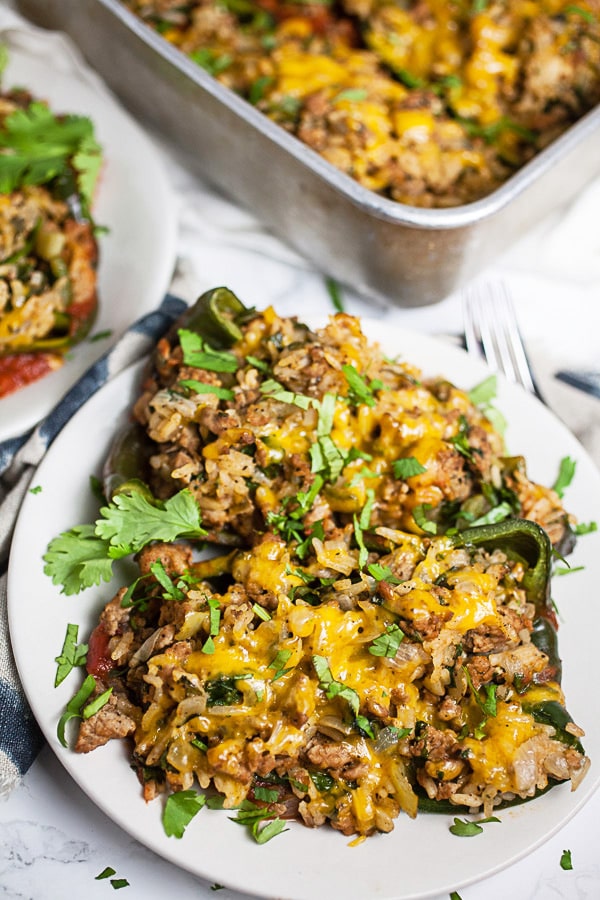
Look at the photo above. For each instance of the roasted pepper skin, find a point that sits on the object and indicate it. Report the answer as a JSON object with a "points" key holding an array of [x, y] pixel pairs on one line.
{"points": [[216, 316]]}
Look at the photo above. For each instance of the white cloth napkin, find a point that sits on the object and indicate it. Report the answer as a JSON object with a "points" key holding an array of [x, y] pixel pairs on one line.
{"points": [[553, 273]]}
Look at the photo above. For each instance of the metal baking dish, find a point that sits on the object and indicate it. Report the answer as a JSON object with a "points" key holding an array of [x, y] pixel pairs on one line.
{"points": [[406, 255]]}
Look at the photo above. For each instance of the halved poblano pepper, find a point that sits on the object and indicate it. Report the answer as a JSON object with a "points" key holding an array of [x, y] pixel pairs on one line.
{"points": [[525, 541]]}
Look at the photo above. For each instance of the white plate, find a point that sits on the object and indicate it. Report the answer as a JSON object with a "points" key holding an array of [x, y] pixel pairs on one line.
{"points": [[134, 200], [419, 858]]}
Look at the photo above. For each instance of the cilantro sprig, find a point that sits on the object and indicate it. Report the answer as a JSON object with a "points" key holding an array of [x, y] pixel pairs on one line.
{"points": [[37, 147], [83, 556]]}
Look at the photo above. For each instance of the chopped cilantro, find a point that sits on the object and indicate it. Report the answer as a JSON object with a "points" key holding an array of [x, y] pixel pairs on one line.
{"points": [[585, 527], [387, 644], [382, 573], [354, 95], [171, 591], [359, 390], [464, 828], [266, 795], [568, 570], [253, 816], [71, 656], [180, 809], [261, 612], [565, 860], [484, 392], [585, 14], [199, 387], [460, 441], [334, 688], [106, 873], [496, 514], [278, 664], [258, 88], [214, 623], [333, 288], [276, 391], [322, 781], [222, 691], [75, 708], [198, 354], [420, 517], [211, 62], [36, 490], [259, 364], [565, 476], [407, 467], [100, 336]]}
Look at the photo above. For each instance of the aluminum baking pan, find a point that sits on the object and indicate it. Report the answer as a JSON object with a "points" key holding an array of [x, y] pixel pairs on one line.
{"points": [[406, 255]]}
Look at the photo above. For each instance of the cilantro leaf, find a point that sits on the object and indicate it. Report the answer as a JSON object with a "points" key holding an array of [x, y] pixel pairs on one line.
{"points": [[382, 573], [130, 521], [332, 687], [496, 514], [278, 664], [387, 644], [484, 392], [83, 556], [78, 559], [407, 466], [180, 809], [38, 146], [254, 816], [359, 390], [71, 656]]}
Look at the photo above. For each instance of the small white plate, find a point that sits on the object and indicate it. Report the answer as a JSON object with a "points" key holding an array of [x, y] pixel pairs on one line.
{"points": [[420, 858], [134, 201]]}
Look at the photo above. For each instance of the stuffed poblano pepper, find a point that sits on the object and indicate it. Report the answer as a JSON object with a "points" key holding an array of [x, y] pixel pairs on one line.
{"points": [[340, 688], [48, 248], [272, 425]]}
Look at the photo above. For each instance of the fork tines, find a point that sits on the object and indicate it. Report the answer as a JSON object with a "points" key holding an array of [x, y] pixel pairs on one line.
{"points": [[492, 333]]}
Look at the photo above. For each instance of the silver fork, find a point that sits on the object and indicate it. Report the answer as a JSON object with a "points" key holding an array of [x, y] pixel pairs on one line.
{"points": [[492, 333]]}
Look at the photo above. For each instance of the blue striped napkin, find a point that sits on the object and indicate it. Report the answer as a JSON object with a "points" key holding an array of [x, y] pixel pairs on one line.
{"points": [[20, 737]]}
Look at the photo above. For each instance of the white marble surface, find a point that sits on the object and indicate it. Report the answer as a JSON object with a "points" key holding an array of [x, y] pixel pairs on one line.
{"points": [[53, 840]]}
